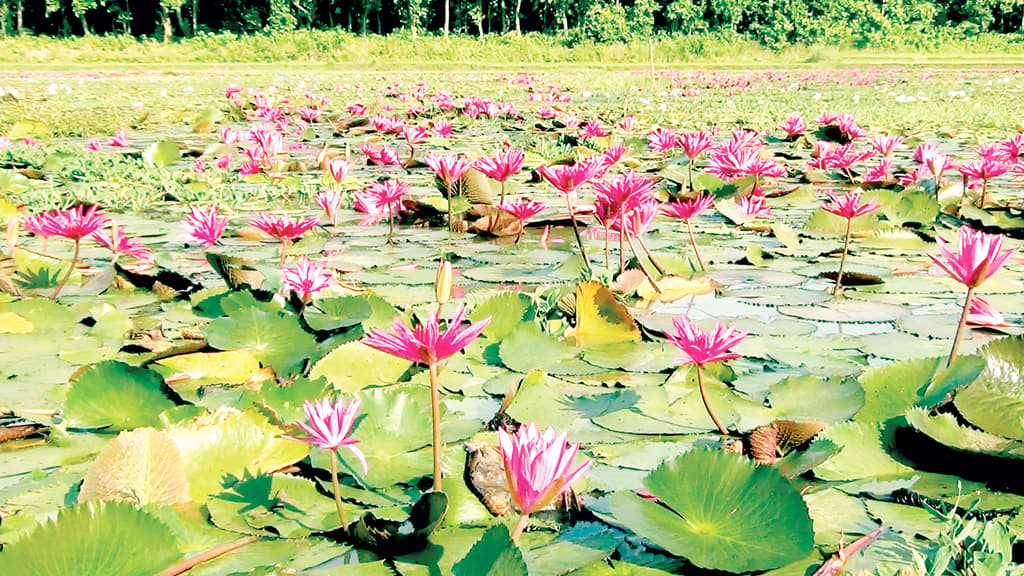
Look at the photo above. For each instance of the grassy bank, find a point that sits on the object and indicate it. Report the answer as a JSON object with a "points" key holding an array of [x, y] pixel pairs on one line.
{"points": [[335, 48]]}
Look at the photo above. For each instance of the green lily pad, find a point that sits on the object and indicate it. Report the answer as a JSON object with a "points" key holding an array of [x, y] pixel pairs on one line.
{"points": [[115, 395], [275, 338], [995, 401], [335, 313], [720, 511], [94, 538], [945, 429], [279, 505], [355, 366], [494, 554]]}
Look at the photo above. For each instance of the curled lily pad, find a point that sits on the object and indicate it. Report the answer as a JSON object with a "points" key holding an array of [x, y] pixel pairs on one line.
{"points": [[391, 538]]}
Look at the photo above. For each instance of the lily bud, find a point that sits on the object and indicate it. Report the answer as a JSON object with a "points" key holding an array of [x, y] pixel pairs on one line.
{"points": [[444, 283]]}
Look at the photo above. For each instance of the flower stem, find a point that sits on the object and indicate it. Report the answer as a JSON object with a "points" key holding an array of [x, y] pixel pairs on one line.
{"points": [[693, 243], [689, 174], [520, 526], [451, 222], [190, 563], [435, 412], [337, 491], [622, 246], [576, 231], [391, 224], [284, 252], [704, 396], [497, 213], [837, 291], [71, 268], [650, 255], [640, 262], [960, 326]]}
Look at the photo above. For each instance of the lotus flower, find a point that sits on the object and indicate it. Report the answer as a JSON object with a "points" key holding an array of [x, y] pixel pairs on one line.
{"points": [[539, 467]]}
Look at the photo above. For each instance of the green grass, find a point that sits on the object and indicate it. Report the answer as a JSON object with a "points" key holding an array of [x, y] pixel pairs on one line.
{"points": [[332, 49]]}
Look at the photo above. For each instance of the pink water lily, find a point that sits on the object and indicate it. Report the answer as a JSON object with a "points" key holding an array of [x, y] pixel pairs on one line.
{"points": [[204, 227], [688, 211], [119, 140], [428, 344], [329, 427], [330, 202], [794, 126], [522, 209], [283, 228], [539, 467], [979, 256], [339, 169], [981, 313], [74, 224], [448, 167], [702, 347], [502, 166], [306, 278], [753, 206], [119, 244], [848, 206]]}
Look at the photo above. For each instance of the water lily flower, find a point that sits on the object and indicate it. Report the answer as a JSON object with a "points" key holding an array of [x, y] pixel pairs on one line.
{"points": [[448, 167], [753, 206], [119, 244], [383, 156], [284, 228], [329, 427], [250, 168], [74, 224], [981, 313], [442, 129], [539, 467], [626, 123], [502, 166], [984, 170], [794, 126], [689, 210], [847, 206], [567, 179], [338, 168], [330, 202], [704, 347], [306, 278], [309, 113], [879, 173], [593, 129], [886, 144], [384, 197], [94, 145], [663, 140], [522, 209], [119, 140], [979, 256], [428, 344], [204, 227]]}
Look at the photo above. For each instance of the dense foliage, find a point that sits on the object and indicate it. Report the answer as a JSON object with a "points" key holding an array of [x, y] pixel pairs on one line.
{"points": [[774, 23]]}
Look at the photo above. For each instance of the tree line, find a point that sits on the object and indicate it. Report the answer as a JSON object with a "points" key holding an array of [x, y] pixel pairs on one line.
{"points": [[774, 22]]}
